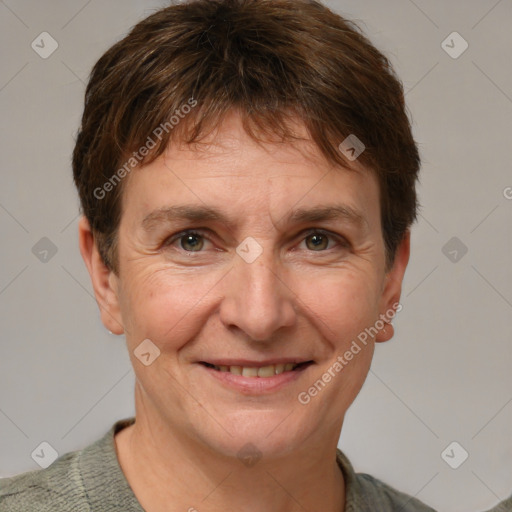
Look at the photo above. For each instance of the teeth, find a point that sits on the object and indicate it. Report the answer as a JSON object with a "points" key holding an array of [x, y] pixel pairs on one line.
{"points": [[263, 371], [279, 368], [247, 371], [266, 371]]}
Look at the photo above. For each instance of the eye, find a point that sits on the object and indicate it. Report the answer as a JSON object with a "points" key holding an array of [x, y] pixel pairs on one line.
{"points": [[190, 241], [318, 241]]}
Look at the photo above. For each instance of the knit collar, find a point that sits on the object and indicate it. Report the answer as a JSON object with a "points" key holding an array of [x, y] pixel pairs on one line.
{"points": [[111, 490]]}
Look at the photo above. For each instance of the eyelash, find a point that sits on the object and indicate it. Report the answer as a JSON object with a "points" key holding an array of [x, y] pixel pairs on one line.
{"points": [[305, 234]]}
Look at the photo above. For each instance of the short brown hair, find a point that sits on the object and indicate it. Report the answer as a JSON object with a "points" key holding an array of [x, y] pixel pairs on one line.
{"points": [[268, 59]]}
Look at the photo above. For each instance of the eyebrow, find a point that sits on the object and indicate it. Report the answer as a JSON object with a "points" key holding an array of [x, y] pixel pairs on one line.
{"points": [[196, 213], [329, 212]]}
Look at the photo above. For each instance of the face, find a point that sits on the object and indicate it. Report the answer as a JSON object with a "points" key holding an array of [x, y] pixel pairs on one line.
{"points": [[252, 259]]}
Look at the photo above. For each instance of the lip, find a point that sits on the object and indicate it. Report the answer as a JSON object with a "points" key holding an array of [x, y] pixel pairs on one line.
{"points": [[247, 362], [255, 385]]}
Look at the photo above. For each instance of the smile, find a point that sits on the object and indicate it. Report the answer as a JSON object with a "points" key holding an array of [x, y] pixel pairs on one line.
{"points": [[269, 370]]}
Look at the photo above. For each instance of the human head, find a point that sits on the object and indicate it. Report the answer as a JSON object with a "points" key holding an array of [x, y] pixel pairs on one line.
{"points": [[269, 104], [180, 71]]}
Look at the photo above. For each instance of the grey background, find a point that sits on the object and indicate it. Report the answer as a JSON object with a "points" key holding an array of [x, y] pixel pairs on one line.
{"points": [[446, 376]]}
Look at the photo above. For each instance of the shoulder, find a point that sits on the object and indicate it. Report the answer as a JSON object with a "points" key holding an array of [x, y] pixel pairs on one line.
{"points": [[386, 495], [79, 481], [53, 488], [503, 506], [367, 493]]}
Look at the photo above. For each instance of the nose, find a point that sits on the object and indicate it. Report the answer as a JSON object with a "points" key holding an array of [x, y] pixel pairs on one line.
{"points": [[257, 299]]}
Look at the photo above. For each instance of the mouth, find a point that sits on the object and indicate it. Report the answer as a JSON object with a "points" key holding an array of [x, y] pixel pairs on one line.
{"points": [[261, 371]]}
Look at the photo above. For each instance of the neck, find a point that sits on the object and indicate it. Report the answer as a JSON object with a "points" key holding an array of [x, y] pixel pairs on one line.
{"points": [[168, 471]]}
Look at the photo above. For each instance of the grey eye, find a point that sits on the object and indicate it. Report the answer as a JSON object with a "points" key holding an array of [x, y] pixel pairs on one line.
{"points": [[194, 242], [318, 241]]}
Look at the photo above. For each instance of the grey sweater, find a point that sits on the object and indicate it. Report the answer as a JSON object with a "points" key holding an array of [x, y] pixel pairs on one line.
{"points": [[91, 480]]}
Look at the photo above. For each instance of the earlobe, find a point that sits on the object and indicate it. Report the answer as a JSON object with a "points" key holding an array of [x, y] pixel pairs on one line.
{"points": [[386, 333], [393, 288], [103, 279]]}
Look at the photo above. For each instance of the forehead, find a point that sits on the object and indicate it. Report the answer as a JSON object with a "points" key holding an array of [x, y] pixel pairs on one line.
{"points": [[229, 170]]}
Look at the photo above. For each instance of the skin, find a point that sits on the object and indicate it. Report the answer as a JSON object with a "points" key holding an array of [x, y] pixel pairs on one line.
{"points": [[295, 300]]}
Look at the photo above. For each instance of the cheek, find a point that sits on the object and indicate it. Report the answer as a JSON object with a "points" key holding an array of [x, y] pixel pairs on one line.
{"points": [[163, 305], [343, 302]]}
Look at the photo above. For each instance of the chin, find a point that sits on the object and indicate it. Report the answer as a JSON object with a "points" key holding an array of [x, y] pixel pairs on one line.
{"points": [[264, 432]]}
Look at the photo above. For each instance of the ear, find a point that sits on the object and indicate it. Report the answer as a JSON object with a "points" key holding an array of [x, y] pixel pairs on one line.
{"points": [[392, 287], [104, 281]]}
